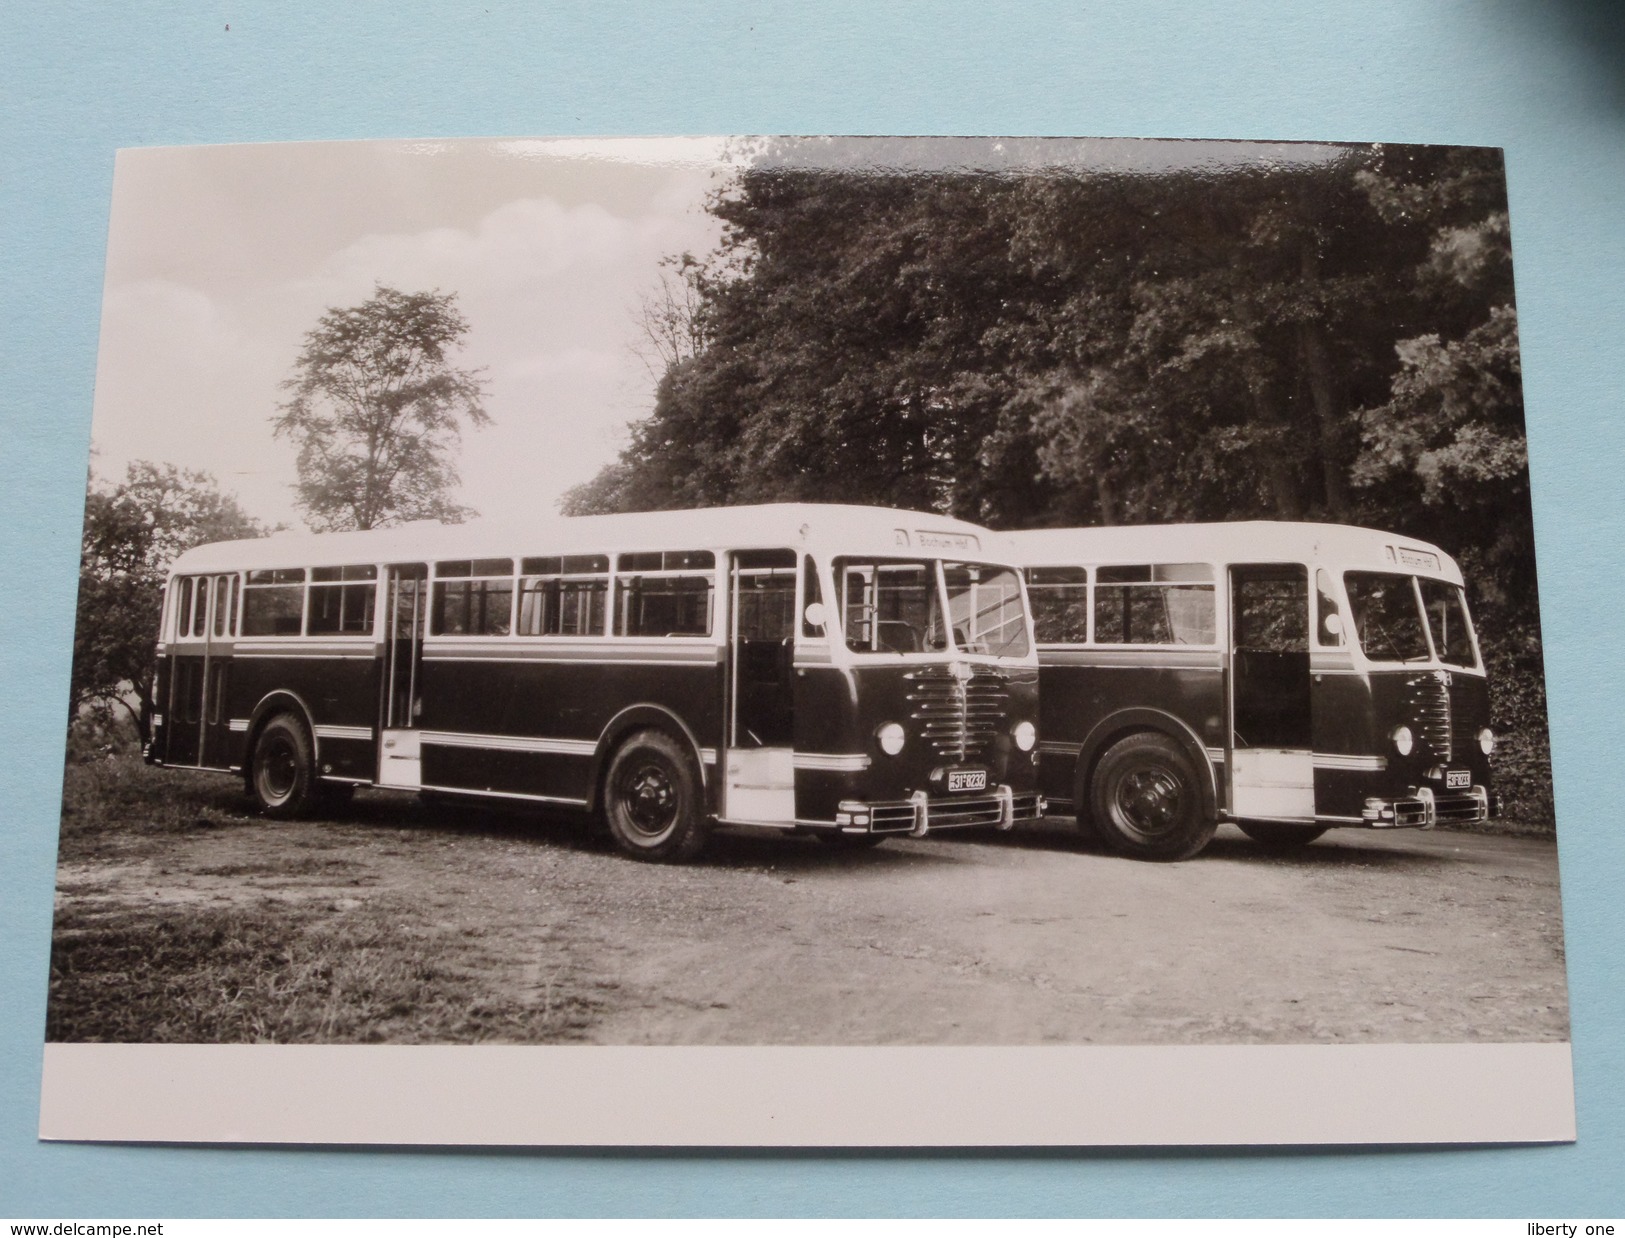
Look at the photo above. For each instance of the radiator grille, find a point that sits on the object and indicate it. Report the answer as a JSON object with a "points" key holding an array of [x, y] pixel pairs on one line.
{"points": [[1429, 711], [958, 719]]}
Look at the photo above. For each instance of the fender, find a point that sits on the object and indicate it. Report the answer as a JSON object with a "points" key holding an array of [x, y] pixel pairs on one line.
{"points": [[1127, 721], [280, 700], [635, 717]]}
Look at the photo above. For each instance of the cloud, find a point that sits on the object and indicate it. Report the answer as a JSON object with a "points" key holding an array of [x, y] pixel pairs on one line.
{"points": [[191, 364]]}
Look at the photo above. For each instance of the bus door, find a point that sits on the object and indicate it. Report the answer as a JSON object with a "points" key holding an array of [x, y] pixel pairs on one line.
{"points": [[1271, 760], [405, 618], [760, 770], [215, 741], [197, 726]]}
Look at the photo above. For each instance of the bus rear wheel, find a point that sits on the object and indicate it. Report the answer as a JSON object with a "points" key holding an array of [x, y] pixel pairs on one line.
{"points": [[652, 800], [282, 770], [1279, 836], [1145, 800]]}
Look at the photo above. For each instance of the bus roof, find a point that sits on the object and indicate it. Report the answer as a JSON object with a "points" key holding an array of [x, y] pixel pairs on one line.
{"points": [[1236, 541], [831, 528]]}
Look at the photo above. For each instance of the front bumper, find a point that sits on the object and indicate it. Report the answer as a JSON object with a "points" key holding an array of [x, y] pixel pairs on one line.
{"points": [[920, 814], [1425, 808]]}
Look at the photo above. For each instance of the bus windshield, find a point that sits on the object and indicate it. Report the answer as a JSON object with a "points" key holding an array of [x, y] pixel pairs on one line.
{"points": [[1393, 619], [896, 606], [1452, 630], [985, 605]]}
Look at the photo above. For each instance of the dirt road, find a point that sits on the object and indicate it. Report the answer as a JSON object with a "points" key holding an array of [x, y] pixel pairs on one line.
{"points": [[1028, 938]]}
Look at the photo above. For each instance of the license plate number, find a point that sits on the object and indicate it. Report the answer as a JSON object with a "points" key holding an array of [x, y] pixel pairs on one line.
{"points": [[1454, 778], [967, 780]]}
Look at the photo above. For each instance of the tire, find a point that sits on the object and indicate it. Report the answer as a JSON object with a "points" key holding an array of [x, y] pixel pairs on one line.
{"points": [[1278, 836], [282, 769], [836, 841], [652, 800], [1145, 800]]}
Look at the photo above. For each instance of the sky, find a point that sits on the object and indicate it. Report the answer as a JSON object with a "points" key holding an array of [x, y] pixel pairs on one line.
{"points": [[221, 258]]}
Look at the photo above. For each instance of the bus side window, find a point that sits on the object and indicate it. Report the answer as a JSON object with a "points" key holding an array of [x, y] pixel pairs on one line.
{"points": [[274, 602], [1060, 598], [1155, 604], [183, 607], [1329, 625], [563, 595], [664, 593], [472, 597], [342, 600], [222, 604], [200, 607]]}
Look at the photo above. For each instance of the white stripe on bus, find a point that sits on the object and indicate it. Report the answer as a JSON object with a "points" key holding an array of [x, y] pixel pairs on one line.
{"points": [[510, 743], [344, 732], [833, 762]]}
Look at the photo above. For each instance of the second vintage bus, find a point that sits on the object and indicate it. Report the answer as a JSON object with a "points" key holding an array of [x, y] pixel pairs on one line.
{"points": [[1287, 677]]}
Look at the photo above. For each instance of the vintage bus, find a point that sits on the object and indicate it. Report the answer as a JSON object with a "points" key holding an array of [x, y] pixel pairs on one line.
{"points": [[1287, 677], [853, 672]]}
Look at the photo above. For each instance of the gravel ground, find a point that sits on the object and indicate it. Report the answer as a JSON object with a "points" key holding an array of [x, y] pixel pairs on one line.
{"points": [[1033, 937]]}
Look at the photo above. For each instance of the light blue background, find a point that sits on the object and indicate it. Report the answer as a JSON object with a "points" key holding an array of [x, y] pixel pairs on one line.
{"points": [[1546, 80]]}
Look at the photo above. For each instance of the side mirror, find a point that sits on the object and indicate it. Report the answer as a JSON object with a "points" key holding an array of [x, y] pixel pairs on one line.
{"points": [[814, 614]]}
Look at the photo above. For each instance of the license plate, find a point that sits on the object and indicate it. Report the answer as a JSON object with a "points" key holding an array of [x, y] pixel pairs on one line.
{"points": [[1454, 778], [967, 780]]}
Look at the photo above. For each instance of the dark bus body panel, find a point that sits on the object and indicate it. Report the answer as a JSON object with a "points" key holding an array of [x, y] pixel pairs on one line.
{"points": [[564, 706], [1078, 694], [1355, 715], [337, 692], [840, 710]]}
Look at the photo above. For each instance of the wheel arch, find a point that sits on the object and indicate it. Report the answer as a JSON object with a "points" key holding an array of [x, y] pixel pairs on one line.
{"points": [[638, 718], [1125, 722], [280, 701]]}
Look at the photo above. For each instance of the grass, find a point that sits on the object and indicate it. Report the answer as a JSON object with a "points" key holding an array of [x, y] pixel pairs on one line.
{"points": [[289, 970], [280, 975], [114, 805]]}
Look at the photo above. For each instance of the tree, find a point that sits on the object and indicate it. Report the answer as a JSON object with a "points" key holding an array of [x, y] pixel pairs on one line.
{"points": [[1317, 334], [132, 532], [669, 317], [377, 411]]}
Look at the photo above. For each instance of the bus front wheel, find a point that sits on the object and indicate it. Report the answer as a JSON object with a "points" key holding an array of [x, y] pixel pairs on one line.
{"points": [[282, 771], [652, 800], [1279, 836], [1145, 800]]}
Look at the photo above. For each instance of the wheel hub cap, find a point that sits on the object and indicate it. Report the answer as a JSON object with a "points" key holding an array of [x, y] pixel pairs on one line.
{"points": [[1150, 800], [651, 800]]}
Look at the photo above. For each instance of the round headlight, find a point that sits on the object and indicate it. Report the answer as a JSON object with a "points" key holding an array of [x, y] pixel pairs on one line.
{"points": [[891, 738], [1026, 735], [1486, 741], [1404, 740]]}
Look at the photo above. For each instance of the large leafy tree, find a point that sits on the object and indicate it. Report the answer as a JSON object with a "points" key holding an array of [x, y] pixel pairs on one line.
{"points": [[377, 410], [133, 530], [1325, 333]]}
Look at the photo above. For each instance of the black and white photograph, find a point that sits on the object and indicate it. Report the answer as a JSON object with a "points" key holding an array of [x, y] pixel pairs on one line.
{"points": [[828, 592]]}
